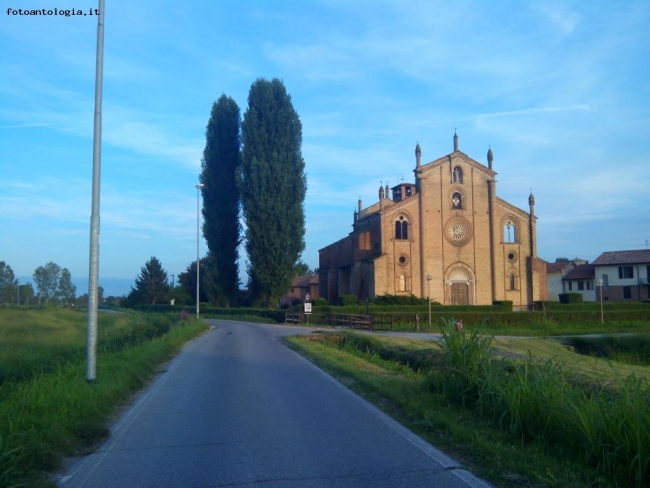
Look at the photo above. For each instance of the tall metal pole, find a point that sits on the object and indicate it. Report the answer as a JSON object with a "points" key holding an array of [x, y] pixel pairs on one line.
{"points": [[429, 277], [93, 275], [198, 221], [602, 316]]}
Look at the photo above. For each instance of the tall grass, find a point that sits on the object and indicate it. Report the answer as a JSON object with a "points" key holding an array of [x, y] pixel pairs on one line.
{"points": [[51, 411], [541, 402]]}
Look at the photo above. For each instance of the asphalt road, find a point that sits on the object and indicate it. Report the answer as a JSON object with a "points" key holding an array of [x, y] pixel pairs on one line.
{"points": [[237, 408]]}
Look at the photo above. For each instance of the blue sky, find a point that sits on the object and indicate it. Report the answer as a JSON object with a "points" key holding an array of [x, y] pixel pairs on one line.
{"points": [[559, 90]]}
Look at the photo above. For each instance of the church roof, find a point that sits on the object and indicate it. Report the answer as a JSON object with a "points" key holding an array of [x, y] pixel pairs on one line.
{"points": [[641, 256], [449, 158]]}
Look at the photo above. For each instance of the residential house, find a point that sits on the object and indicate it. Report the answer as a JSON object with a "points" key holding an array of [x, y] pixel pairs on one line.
{"points": [[623, 275], [301, 286], [581, 280], [555, 274]]}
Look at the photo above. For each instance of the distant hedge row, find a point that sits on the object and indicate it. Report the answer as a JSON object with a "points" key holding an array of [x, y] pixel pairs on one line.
{"points": [[498, 314]]}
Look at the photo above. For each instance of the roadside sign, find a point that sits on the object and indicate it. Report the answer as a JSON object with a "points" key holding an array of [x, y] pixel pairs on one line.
{"points": [[307, 307], [307, 297]]}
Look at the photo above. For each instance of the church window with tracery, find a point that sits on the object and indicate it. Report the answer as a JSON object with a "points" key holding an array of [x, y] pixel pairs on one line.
{"points": [[401, 229]]}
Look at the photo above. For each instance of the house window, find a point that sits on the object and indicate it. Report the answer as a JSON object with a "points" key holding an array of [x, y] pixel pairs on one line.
{"points": [[513, 282], [456, 201], [570, 286], [401, 229], [627, 292], [509, 232], [402, 283], [581, 285], [457, 175], [408, 191], [605, 282], [590, 285], [625, 272]]}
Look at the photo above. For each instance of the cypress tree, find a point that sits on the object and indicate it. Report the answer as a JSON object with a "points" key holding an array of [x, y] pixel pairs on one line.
{"points": [[221, 226], [273, 187]]}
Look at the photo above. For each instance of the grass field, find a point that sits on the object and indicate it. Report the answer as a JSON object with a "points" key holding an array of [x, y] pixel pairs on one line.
{"points": [[518, 411], [47, 408]]}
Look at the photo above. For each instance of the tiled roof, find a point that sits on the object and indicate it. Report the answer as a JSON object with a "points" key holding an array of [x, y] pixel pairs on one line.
{"points": [[641, 256], [300, 281], [557, 267], [582, 272]]}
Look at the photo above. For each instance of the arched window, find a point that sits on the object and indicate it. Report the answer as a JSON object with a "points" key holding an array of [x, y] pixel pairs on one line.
{"points": [[401, 229], [457, 175], [456, 201], [402, 283], [513, 281], [509, 231]]}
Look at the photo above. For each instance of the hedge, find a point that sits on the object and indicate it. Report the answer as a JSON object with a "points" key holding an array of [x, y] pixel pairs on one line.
{"points": [[570, 298]]}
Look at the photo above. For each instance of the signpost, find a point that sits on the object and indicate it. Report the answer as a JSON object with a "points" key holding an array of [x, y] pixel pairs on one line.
{"points": [[307, 306]]}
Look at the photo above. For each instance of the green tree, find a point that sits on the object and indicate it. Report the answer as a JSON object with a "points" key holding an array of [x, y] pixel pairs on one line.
{"points": [[273, 187], [26, 294], [221, 226], [8, 284], [66, 292], [47, 281], [301, 269], [187, 282], [150, 285]]}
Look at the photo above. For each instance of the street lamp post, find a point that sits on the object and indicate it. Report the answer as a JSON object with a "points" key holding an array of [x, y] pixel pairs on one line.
{"points": [[429, 277], [602, 317], [198, 221]]}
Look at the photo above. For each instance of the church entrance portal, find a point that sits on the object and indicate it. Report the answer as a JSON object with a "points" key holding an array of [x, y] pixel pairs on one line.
{"points": [[459, 294]]}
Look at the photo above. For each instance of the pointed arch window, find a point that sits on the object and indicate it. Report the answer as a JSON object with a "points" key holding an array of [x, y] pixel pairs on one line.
{"points": [[457, 201], [509, 231], [513, 281], [457, 175], [401, 229], [402, 283]]}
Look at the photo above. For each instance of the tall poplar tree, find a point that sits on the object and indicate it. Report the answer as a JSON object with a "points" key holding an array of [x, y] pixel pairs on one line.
{"points": [[273, 187], [221, 226]]}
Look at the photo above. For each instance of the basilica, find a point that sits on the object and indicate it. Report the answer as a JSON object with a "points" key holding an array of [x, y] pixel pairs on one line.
{"points": [[447, 236]]}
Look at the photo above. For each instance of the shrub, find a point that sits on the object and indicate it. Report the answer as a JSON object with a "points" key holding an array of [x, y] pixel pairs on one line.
{"points": [[319, 302], [399, 300], [503, 305], [570, 298], [347, 300]]}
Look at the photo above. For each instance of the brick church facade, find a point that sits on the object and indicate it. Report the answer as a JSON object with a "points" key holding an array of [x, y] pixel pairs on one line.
{"points": [[447, 236]]}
